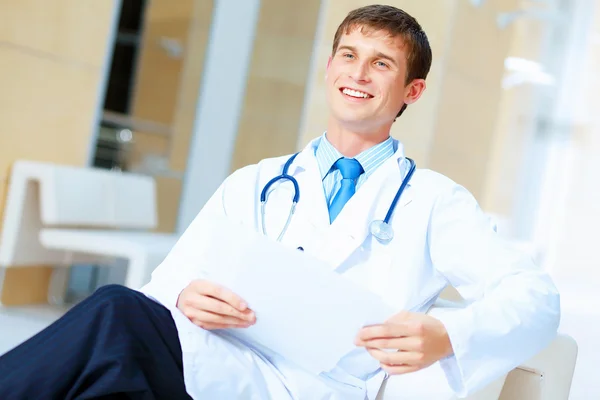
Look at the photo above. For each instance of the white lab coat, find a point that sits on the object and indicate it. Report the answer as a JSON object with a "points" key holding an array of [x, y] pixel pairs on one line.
{"points": [[441, 237]]}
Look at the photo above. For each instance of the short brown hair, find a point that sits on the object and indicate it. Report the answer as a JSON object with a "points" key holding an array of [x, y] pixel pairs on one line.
{"points": [[396, 22]]}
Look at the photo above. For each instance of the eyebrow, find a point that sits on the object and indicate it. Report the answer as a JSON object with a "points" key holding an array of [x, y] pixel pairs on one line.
{"points": [[379, 54]]}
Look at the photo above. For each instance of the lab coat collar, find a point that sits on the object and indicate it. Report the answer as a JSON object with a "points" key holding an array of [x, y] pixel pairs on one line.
{"points": [[371, 202]]}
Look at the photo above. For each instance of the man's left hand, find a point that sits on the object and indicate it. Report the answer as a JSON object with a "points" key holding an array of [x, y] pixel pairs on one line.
{"points": [[420, 340]]}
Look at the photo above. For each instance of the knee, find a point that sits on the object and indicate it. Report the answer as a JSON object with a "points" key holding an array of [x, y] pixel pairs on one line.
{"points": [[116, 294], [115, 309]]}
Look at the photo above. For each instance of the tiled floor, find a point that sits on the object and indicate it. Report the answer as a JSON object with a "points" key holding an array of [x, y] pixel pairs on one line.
{"points": [[20, 323]]}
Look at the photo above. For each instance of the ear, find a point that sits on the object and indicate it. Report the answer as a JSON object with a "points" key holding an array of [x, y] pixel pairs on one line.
{"points": [[414, 90], [327, 67]]}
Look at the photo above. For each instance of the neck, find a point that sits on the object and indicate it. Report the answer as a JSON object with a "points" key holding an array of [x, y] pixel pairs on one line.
{"points": [[351, 142]]}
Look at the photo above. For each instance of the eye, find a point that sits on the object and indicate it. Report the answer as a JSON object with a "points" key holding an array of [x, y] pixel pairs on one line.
{"points": [[348, 56], [381, 64]]}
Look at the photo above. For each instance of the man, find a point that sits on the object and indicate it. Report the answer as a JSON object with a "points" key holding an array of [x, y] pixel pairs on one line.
{"points": [[172, 341]]}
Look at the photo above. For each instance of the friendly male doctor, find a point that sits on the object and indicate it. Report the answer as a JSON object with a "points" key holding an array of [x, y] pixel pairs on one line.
{"points": [[119, 343]]}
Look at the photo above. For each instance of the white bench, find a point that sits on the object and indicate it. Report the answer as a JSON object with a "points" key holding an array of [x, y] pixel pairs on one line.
{"points": [[62, 215]]}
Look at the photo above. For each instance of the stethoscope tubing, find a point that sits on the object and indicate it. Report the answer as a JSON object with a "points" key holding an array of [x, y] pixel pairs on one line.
{"points": [[286, 176]]}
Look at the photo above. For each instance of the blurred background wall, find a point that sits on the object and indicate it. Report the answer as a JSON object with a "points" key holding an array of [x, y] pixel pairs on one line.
{"points": [[187, 91], [54, 57]]}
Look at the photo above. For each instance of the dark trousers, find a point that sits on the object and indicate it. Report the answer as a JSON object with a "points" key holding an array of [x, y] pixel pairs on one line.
{"points": [[116, 344]]}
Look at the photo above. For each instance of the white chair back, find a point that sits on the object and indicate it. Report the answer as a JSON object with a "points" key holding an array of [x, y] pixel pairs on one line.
{"points": [[547, 376], [96, 198], [42, 195]]}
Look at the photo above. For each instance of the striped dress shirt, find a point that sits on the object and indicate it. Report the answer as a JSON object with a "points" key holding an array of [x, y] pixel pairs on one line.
{"points": [[370, 159]]}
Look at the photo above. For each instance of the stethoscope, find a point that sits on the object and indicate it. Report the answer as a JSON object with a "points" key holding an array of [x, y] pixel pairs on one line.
{"points": [[381, 230]]}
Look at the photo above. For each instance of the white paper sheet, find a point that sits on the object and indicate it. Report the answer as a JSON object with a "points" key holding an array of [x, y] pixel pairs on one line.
{"points": [[305, 311]]}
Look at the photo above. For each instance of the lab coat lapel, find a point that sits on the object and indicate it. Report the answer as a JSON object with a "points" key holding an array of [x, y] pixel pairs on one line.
{"points": [[312, 212], [371, 202]]}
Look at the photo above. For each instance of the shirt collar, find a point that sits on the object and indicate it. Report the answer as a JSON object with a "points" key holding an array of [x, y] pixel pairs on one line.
{"points": [[370, 159]]}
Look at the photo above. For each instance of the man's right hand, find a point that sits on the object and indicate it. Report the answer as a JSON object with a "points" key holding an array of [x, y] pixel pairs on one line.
{"points": [[211, 306]]}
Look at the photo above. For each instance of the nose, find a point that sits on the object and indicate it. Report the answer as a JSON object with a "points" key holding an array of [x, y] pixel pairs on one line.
{"points": [[360, 72]]}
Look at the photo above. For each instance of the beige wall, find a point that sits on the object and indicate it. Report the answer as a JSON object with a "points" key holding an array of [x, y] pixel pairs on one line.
{"points": [[277, 80], [471, 95], [53, 54], [453, 127]]}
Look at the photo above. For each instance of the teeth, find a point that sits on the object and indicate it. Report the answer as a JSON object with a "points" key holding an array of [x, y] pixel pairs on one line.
{"points": [[355, 93]]}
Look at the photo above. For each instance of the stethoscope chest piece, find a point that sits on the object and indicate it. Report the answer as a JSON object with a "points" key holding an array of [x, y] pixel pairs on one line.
{"points": [[382, 231]]}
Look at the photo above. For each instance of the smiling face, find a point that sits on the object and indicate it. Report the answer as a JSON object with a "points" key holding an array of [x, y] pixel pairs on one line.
{"points": [[366, 81]]}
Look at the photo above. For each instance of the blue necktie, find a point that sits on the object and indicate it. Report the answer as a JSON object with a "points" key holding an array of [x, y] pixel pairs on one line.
{"points": [[350, 169]]}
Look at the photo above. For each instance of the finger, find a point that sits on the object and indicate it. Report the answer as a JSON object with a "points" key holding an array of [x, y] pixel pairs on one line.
{"points": [[200, 316], [412, 343], [223, 294], [383, 331], [396, 357], [399, 369], [215, 306]]}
